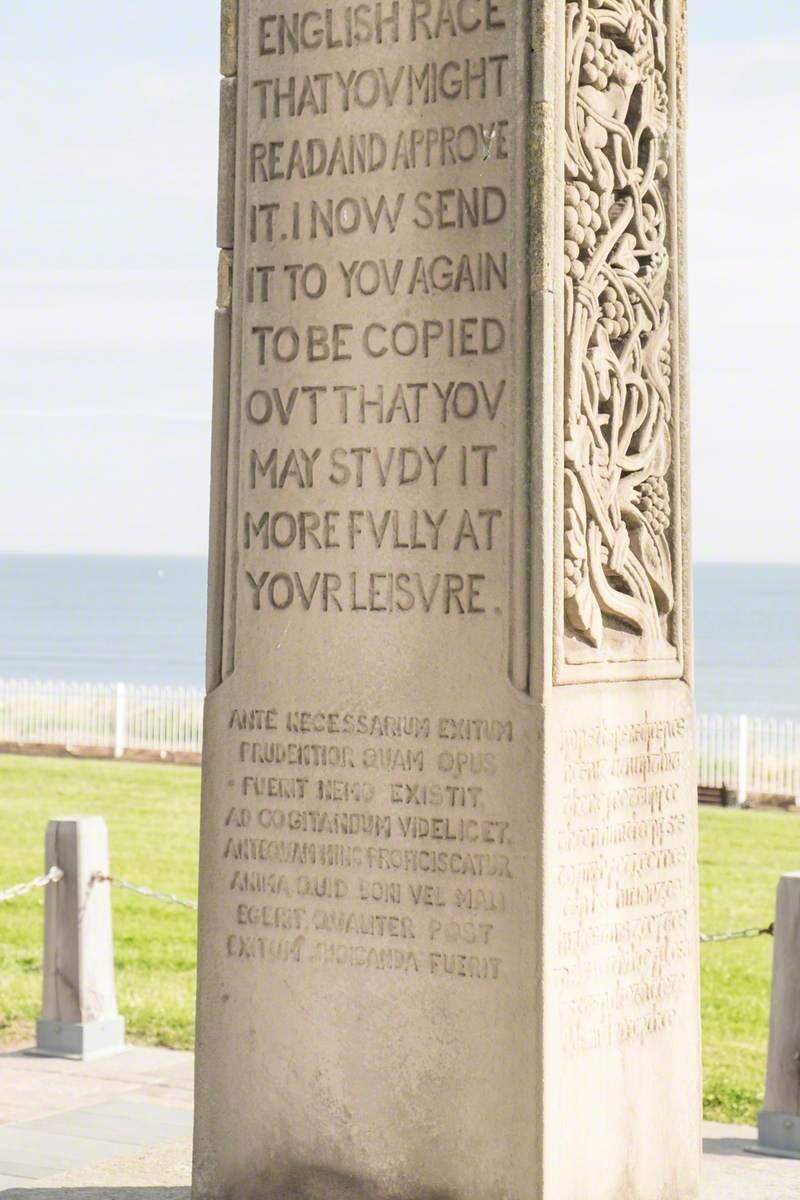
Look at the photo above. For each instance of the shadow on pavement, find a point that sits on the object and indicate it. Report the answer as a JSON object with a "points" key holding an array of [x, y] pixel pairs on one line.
{"points": [[745, 1148], [728, 1147]]}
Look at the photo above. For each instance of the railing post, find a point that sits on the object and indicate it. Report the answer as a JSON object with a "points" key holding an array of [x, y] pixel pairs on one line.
{"points": [[779, 1120], [121, 721], [744, 765], [79, 1016]]}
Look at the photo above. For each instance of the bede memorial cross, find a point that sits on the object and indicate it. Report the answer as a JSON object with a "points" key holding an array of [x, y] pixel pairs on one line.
{"points": [[448, 943]]}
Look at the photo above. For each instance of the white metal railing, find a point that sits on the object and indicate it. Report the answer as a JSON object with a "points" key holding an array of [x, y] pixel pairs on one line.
{"points": [[747, 755], [106, 716]]}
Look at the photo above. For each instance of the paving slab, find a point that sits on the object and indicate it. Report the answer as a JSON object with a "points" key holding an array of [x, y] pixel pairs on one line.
{"points": [[52, 1152], [732, 1172], [157, 1173], [84, 1137], [33, 1086], [125, 1123], [59, 1115]]}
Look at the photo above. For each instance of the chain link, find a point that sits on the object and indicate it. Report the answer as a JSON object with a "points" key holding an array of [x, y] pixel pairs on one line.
{"points": [[55, 874], [144, 891], [21, 889], [754, 932]]}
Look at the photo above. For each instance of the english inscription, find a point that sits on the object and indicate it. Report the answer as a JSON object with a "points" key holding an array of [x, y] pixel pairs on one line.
{"points": [[374, 428]]}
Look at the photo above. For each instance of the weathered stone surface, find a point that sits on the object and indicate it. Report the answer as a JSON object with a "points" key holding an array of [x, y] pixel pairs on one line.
{"points": [[229, 36], [79, 1017], [447, 929], [227, 161]]}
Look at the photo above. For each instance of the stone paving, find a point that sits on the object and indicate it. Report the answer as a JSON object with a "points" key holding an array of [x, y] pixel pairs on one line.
{"points": [[59, 1116], [731, 1172], [119, 1128]]}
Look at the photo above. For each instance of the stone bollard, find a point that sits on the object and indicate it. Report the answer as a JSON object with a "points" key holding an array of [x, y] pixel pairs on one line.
{"points": [[779, 1120], [79, 1007]]}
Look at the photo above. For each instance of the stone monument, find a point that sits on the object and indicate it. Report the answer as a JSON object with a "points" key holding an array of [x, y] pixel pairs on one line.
{"points": [[448, 942]]}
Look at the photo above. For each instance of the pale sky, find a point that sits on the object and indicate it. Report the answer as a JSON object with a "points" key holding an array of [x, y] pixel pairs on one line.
{"points": [[109, 114]]}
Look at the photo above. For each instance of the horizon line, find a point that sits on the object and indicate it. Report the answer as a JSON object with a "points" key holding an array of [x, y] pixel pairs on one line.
{"points": [[203, 556]]}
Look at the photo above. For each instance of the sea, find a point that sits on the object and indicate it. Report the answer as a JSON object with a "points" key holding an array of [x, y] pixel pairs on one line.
{"points": [[142, 620]]}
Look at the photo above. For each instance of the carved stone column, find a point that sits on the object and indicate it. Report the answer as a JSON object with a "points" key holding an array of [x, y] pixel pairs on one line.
{"points": [[448, 941]]}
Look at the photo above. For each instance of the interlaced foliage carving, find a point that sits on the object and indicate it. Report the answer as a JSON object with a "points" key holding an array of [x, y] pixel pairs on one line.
{"points": [[619, 585]]}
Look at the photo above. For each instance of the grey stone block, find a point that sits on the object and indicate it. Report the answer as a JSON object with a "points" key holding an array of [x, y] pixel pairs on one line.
{"points": [[778, 1134], [89, 1039]]}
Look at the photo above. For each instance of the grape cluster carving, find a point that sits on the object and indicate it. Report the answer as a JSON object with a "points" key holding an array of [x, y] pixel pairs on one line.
{"points": [[618, 570]]}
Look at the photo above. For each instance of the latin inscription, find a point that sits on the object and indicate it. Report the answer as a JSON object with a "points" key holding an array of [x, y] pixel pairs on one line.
{"points": [[389, 851], [624, 880]]}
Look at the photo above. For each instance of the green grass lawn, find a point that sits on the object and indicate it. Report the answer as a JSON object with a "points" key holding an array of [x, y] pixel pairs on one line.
{"points": [[742, 855], [152, 815]]}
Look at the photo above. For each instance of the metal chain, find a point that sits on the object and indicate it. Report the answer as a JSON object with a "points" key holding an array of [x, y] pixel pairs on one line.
{"points": [[20, 889], [741, 933], [144, 891], [55, 874]]}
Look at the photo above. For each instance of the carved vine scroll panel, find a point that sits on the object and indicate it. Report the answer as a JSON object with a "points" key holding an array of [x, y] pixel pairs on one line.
{"points": [[622, 570]]}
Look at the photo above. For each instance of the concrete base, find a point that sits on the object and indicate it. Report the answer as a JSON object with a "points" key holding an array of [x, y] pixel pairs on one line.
{"points": [[91, 1039], [778, 1134]]}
